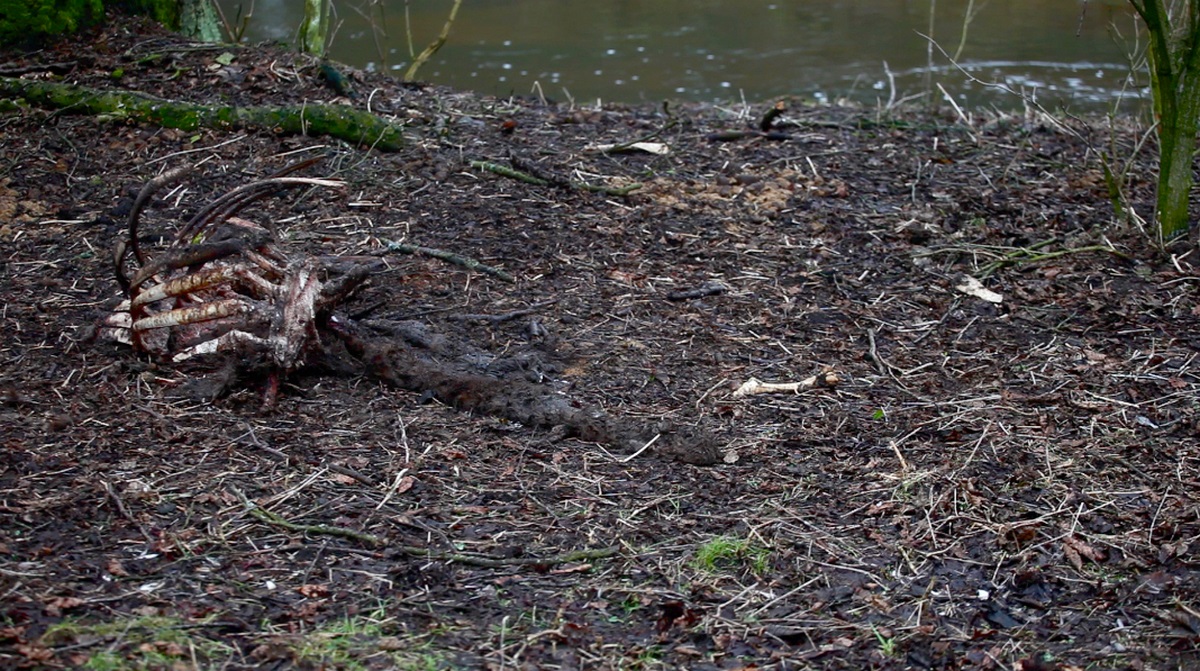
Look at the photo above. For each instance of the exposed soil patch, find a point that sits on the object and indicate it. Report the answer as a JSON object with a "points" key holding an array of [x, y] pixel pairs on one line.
{"points": [[989, 485]]}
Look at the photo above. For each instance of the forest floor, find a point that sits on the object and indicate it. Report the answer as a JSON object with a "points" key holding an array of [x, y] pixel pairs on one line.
{"points": [[1002, 480]]}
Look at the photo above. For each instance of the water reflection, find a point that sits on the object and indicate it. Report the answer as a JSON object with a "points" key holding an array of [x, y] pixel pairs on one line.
{"points": [[634, 50]]}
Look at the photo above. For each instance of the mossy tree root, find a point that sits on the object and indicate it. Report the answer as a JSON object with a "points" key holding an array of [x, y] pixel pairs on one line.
{"points": [[339, 121]]}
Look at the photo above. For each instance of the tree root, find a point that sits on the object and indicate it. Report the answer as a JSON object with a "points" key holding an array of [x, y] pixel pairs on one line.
{"points": [[339, 121]]}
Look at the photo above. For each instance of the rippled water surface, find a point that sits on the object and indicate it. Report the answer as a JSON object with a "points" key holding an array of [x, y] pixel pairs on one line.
{"points": [[636, 50]]}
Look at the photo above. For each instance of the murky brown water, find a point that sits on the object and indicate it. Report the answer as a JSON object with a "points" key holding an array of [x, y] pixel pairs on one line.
{"points": [[635, 50]]}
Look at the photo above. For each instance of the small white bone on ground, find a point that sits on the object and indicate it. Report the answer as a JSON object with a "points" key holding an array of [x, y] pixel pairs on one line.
{"points": [[973, 287], [756, 386]]}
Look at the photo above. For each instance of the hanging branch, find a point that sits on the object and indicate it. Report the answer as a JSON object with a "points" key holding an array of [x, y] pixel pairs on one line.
{"points": [[434, 46]]}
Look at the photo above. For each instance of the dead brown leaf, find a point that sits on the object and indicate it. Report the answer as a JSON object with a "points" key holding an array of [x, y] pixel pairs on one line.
{"points": [[36, 654], [1081, 549], [406, 483], [56, 605], [313, 591]]}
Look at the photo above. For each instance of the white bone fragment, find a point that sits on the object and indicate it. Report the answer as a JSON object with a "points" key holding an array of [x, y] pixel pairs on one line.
{"points": [[656, 148], [973, 287], [756, 386]]}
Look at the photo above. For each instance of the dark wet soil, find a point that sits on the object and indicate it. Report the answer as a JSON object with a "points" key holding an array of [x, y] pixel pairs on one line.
{"points": [[1002, 480]]}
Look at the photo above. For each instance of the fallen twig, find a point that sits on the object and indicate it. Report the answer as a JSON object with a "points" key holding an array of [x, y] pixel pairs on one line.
{"points": [[319, 529], [56, 68], [607, 190], [1030, 255], [507, 316], [882, 365], [425, 553], [351, 473], [734, 135], [642, 448], [120, 505], [706, 289], [499, 562], [1011, 256], [513, 173], [505, 171], [449, 257]]}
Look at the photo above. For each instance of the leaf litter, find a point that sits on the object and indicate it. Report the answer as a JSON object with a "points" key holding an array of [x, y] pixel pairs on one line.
{"points": [[988, 485]]}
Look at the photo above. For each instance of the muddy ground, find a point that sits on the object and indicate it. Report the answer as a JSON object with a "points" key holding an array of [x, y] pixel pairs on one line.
{"points": [[1004, 484]]}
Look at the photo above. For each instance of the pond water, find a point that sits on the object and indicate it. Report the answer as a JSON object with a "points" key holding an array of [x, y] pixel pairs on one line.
{"points": [[1070, 52]]}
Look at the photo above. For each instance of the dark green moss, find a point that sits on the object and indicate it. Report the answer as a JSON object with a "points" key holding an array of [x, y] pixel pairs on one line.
{"points": [[28, 23]]}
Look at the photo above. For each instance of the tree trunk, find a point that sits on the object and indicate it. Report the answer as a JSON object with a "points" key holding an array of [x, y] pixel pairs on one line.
{"points": [[1177, 144], [314, 28], [198, 20], [1174, 57]]}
